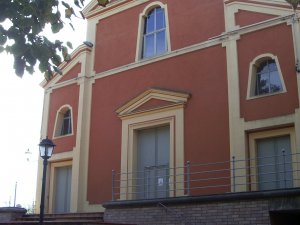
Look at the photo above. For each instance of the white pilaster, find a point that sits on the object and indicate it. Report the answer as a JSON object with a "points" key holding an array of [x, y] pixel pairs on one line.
{"points": [[44, 130]]}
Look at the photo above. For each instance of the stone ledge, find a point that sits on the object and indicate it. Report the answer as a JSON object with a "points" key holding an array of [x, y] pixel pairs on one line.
{"points": [[233, 196]]}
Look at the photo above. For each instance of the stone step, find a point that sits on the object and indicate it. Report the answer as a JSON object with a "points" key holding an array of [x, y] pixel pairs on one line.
{"points": [[62, 219], [64, 216], [61, 223]]}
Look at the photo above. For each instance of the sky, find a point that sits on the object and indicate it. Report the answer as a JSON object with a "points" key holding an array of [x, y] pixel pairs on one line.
{"points": [[21, 104]]}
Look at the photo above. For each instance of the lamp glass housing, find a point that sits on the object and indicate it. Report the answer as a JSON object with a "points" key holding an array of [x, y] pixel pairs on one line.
{"points": [[46, 151], [46, 148]]}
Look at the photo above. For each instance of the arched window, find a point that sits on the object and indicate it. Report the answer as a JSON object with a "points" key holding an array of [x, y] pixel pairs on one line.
{"points": [[153, 31], [63, 124], [154, 40], [265, 76]]}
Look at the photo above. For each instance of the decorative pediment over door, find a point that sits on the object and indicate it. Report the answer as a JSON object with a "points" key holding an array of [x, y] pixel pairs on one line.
{"points": [[152, 99]]}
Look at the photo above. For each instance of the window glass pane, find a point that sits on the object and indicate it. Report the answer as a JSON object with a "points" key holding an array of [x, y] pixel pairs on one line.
{"points": [[272, 65], [70, 126], [262, 85], [268, 79], [275, 82], [150, 22], [154, 42], [65, 128], [149, 45], [160, 19], [263, 68], [67, 114], [274, 169], [266, 164], [161, 42], [66, 125]]}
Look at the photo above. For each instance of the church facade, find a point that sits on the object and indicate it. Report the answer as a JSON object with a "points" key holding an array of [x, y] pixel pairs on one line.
{"points": [[166, 90]]}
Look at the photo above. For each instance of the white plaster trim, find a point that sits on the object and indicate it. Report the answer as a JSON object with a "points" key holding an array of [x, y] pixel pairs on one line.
{"points": [[172, 117], [44, 130], [170, 96], [80, 54], [63, 156], [232, 8], [112, 9], [270, 122], [280, 2], [259, 7]]}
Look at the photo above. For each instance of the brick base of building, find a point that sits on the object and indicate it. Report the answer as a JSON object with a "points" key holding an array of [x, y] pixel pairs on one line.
{"points": [[259, 208]]}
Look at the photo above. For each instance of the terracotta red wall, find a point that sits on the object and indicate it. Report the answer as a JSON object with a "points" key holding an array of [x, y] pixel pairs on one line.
{"points": [[116, 36], [205, 120], [191, 21], [277, 41], [59, 97], [244, 18], [72, 73]]}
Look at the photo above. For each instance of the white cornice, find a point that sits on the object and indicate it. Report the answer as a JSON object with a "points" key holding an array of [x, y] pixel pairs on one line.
{"points": [[92, 11], [159, 94], [276, 2]]}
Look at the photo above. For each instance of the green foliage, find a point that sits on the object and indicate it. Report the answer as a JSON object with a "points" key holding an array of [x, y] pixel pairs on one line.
{"points": [[24, 38], [294, 3]]}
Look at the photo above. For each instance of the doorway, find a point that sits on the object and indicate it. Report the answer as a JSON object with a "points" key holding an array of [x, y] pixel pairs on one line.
{"points": [[153, 162], [62, 189], [274, 162]]}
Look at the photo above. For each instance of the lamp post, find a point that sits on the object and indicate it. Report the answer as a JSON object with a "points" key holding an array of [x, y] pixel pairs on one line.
{"points": [[46, 147]]}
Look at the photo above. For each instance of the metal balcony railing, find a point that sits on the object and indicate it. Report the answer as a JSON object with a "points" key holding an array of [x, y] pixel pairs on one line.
{"points": [[279, 171]]}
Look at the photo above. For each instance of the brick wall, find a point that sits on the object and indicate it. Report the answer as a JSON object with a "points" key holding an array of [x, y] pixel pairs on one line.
{"points": [[216, 213], [273, 207]]}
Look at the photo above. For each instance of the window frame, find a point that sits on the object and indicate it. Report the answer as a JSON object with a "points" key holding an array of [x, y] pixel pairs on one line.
{"points": [[141, 28], [59, 121], [252, 78]]}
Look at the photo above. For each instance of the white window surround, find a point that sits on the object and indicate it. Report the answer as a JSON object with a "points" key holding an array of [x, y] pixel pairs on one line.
{"points": [[141, 26], [59, 121], [253, 75]]}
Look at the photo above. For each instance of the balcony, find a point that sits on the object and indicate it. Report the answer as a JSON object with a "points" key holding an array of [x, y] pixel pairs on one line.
{"points": [[277, 172]]}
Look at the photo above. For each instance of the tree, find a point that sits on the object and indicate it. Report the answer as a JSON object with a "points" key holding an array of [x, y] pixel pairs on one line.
{"points": [[23, 38], [294, 3]]}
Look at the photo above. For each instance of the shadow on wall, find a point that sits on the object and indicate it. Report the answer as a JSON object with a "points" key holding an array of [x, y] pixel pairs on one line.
{"points": [[285, 217]]}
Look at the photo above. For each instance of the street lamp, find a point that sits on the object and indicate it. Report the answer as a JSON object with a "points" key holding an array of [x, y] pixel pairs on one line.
{"points": [[46, 149]]}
